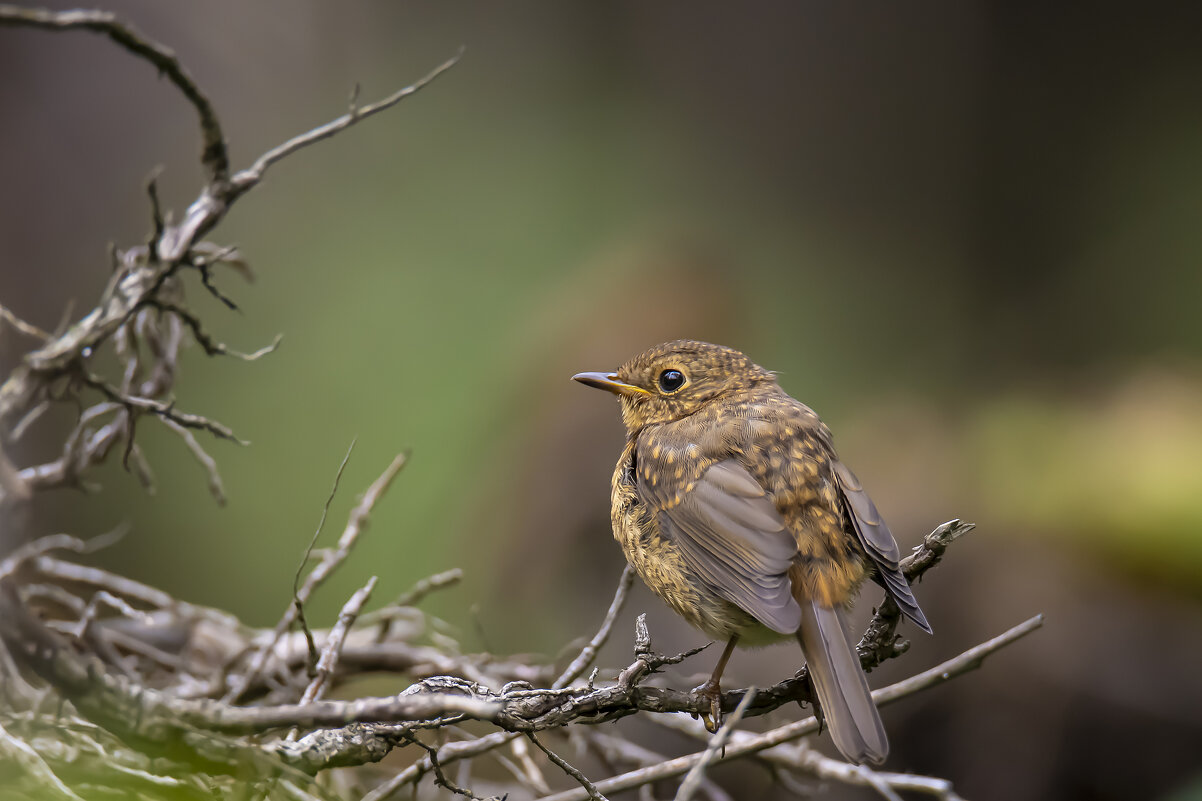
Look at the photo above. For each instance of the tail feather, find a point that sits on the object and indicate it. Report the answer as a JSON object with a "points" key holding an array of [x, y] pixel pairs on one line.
{"points": [[841, 686]]}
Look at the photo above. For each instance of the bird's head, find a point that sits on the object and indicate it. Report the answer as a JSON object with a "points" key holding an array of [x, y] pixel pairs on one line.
{"points": [[676, 379]]}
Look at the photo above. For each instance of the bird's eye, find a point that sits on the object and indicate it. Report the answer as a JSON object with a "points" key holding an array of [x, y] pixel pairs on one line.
{"points": [[671, 380]]}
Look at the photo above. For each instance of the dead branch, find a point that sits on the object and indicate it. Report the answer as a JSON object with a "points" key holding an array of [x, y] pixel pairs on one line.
{"points": [[751, 744], [213, 154], [332, 649]]}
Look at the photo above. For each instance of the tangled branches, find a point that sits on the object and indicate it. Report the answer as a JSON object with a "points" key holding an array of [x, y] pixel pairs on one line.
{"points": [[153, 676], [113, 686]]}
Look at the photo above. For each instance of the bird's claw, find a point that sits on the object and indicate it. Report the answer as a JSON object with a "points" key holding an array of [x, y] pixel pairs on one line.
{"points": [[711, 692]]}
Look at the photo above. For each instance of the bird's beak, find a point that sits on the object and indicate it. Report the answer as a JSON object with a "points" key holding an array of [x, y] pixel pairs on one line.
{"points": [[610, 383]]}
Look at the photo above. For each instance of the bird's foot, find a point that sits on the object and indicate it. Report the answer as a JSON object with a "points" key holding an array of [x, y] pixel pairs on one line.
{"points": [[818, 713], [812, 702], [710, 692]]}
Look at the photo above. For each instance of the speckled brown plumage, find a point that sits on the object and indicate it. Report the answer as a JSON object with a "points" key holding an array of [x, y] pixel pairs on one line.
{"points": [[731, 504]]}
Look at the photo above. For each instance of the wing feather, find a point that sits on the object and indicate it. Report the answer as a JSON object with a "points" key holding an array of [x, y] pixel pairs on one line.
{"points": [[731, 535], [878, 543]]}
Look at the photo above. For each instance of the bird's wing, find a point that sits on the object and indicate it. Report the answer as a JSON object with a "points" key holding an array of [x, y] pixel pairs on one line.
{"points": [[730, 534], [878, 543]]}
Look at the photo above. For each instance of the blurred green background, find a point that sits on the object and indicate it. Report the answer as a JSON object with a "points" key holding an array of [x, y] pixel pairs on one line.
{"points": [[968, 234]]}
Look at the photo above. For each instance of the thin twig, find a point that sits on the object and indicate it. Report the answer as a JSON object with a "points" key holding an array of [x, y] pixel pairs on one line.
{"points": [[695, 775], [57, 542], [201, 455], [80, 629], [144, 593], [446, 755], [301, 594], [589, 788], [164, 410], [245, 179], [334, 642], [888, 785], [298, 603], [440, 777], [589, 652], [416, 593], [29, 329]]}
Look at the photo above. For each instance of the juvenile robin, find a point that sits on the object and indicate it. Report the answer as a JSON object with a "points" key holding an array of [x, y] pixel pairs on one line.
{"points": [[731, 504]]}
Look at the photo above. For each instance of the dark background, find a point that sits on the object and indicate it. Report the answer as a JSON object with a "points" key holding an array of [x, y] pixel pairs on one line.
{"points": [[966, 233]]}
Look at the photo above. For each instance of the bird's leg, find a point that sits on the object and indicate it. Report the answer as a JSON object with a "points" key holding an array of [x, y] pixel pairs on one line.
{"points": [[712, 689]]}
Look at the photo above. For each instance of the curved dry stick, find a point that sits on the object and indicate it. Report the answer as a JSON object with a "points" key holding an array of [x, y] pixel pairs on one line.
{"points": [[214, 156]]}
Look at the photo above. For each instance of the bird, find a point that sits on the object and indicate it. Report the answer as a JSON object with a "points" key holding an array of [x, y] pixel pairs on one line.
{"points": [[731, 504]]}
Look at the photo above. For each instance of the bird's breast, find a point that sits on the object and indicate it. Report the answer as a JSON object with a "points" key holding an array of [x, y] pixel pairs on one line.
{"points": [[660, 564]]}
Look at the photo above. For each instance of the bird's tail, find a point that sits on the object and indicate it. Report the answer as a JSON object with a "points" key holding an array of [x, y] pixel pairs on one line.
{"points": [[840, 685]]}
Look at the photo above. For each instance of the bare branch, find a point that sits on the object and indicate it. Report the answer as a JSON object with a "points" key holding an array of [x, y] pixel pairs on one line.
{"points": [[446, 755], [246, 179], [414, 596], [56, 542], [80, 629], [298, 603], [16, 322], [333, 646], [887, 784], [128, 588], [417, 593], [164, 410], [946, 671], [589, 788], [440, 777]]}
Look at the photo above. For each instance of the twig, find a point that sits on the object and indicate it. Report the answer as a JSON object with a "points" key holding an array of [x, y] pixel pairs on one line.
{"points": [[80, 629], [334, 642], [440, 778], [245, 179], [201, 455], [589, 652], [446, 755], [695, 775], [887, 784], [211, 346], [144, 593], [414, 596], [16, 322], [355, 524], [164, 410], [589, 788], [298, 603], [56, 542], [527, 770], [81, 449]]}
